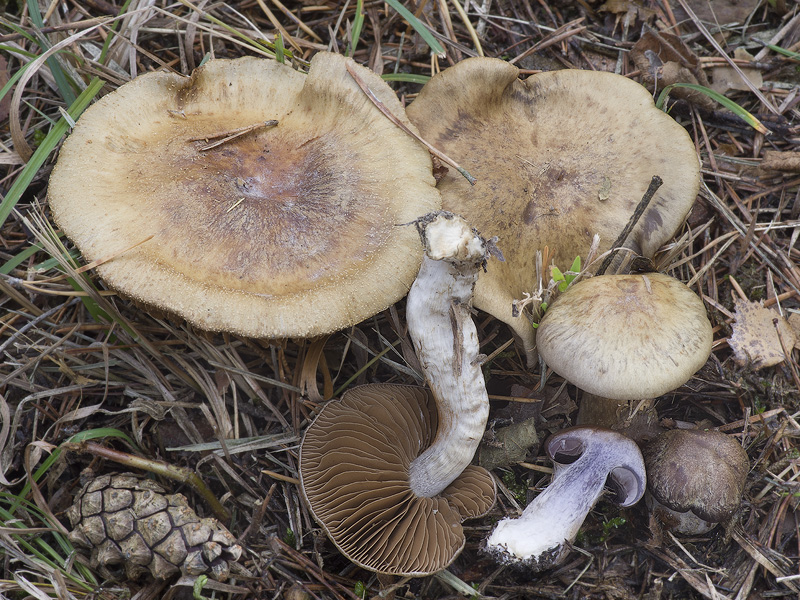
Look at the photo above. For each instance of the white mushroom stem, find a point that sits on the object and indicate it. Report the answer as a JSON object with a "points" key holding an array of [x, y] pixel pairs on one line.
{"points": [[446, 343], [550, 523]]}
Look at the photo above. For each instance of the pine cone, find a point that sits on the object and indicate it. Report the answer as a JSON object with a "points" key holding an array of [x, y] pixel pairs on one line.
{"points": [[131, 523]]}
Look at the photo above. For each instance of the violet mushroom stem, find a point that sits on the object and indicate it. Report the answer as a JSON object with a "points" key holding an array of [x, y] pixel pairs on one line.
{"points": [[586, 459], [446, 342]]}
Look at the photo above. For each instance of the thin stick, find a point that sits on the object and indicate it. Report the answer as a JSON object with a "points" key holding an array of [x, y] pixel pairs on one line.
{"points": [[388, 114], [655, 183], [232, 134]]}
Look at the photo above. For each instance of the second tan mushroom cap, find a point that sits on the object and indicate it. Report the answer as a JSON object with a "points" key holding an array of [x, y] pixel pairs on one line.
{"points": [[354, 463], [559, 157], [282, 230]]}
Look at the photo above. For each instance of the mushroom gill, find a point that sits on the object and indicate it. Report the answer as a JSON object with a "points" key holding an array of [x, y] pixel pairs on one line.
{"points": [[354, 462]]}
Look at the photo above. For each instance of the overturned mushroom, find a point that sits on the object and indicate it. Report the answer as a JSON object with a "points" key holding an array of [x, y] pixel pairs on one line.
{"points": [[625, 338], [558, 157], [446, 342], [249, 197], [354, 472], [586, 460], [696, 478]]}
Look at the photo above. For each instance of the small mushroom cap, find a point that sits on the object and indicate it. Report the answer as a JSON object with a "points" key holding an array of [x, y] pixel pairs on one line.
{"points": [[626, 336], [354, 463], [702, 471], [558, 158], [285, 230]]}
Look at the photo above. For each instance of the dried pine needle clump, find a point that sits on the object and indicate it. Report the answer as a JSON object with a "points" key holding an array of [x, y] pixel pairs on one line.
{"points": [[132, 526]]}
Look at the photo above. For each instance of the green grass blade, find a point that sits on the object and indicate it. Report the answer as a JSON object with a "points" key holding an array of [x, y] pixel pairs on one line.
{"points": [[12, 49], [91, 434], [18, 30], [358, 25], [716, 96], [784, 51], [112, 33], [45, 148], [417, 26], [279, 49], [13, 263], [13, 80], [39, 547], [406, 77], [62, 82]]}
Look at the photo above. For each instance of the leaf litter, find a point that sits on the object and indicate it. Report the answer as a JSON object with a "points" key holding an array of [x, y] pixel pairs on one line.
{"points": [[78, 359]]}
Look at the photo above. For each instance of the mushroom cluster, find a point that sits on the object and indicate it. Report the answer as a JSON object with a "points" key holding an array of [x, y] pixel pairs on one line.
{"points": [[558, 157], [249, 197]]}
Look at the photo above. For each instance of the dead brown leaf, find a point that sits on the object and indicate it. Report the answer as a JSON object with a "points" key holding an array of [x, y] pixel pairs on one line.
{"points": [[755, 340], [726, 78], [664, 59]]}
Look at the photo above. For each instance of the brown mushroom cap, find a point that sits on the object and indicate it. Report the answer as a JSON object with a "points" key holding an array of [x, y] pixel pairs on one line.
{"points": [[626, 336], [354, 463], [695, 470], [285, 230], [558, 157]]}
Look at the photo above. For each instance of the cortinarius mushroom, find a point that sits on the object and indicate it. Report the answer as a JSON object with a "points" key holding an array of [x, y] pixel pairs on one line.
{"points": [[249, 197], [625, 338], [696, 478], [559, 157], [354, 463], [586, 460], [438, 312]]}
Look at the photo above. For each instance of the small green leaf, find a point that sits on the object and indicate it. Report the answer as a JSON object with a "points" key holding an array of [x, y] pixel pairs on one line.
{"points": [[556, 273], [562, 287], [289, 538], [197, 589], [576, 265], [360, 589], [543, 306]]}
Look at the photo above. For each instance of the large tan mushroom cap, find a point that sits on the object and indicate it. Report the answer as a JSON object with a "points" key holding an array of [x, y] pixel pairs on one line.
{"points": [[287, 230], [558, 157], [626, 336], [354, 463]]}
